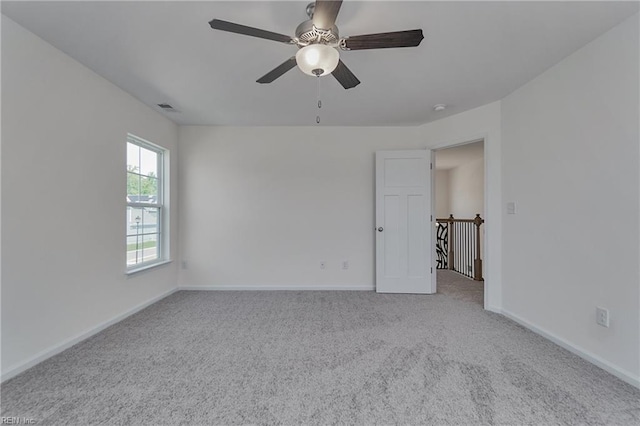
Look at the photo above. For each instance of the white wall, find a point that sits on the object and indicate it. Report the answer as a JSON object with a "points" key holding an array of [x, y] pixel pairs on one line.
{"points": [[570, 162], [466, 189], [262, 206], [63, 199], [443, 209]]}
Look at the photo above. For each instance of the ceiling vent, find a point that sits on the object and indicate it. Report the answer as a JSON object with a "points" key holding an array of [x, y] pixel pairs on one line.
{"points": [[167, 107]]}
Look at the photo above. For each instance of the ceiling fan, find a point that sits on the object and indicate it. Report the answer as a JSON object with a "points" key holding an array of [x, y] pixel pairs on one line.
{"points": [[318, 41]]}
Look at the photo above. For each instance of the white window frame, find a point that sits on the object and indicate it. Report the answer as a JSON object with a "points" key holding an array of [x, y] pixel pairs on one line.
{"points": [[160, 204]]}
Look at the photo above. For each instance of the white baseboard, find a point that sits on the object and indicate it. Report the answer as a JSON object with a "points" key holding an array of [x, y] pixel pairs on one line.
{"points": [[495, 309], [363, 287], [56, 349], [584, 354]]}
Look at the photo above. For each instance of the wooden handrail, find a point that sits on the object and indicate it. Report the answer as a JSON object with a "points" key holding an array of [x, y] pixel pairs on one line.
{"points": [[452, 219]]}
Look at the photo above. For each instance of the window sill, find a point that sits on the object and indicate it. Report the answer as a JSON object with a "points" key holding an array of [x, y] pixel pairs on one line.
{"points": [[147, 267]]}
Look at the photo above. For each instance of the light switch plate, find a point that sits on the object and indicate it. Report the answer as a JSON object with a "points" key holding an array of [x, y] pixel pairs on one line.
{"points": [[511, 207]]}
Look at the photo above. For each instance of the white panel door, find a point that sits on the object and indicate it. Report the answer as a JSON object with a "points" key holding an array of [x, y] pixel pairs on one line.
{"points": [[403, 222]]}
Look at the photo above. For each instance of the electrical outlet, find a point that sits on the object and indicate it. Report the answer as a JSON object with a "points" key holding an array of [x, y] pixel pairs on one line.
{"points": [[511, 207], [602, 316], [184, 264], [345, 264], [323, 264]]}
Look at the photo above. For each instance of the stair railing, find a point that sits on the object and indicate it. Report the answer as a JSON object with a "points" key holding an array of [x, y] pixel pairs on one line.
{"points": [[458, 246]]}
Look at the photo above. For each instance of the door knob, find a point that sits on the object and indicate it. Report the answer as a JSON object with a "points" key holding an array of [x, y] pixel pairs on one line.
{"points": [[380, 229]]}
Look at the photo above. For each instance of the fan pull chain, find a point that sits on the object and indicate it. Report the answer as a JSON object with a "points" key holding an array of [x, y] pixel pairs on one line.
{"points": [[319, 101]]}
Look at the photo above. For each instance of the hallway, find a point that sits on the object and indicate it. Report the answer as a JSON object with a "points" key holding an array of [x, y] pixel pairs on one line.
{"points": [[460, 287]]}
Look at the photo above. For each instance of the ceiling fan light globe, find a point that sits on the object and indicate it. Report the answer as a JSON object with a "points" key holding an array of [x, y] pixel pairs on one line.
{"points": [[317, 57], [312, 56]]}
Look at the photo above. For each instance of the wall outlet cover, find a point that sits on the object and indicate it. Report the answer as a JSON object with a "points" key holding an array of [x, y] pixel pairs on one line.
{"points": [[602, 316]]}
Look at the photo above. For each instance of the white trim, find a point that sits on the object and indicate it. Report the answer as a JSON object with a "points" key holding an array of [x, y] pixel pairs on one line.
{"points": [[137, 140], [495, 309], [146, 266], [620, 373], [160, 204], [56, 349], [492, 244], [143, 205], [453, 143], [363, 287], [432, 222]]}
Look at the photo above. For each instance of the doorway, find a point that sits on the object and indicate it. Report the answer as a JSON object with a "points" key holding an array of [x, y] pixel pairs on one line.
{"points": [[459, 197]]}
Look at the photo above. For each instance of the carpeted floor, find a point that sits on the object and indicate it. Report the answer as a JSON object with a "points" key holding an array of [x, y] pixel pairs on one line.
{"points": [[459, 287], [319, 358]]}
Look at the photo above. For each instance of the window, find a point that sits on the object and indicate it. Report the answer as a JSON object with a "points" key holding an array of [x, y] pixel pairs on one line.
{"points": [[145, 189]]}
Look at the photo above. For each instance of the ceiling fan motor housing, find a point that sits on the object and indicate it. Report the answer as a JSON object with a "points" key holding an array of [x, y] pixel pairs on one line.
{"points": [[307, 33]]}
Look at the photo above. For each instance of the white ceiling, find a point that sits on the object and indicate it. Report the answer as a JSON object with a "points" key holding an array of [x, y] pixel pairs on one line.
{"points": [[450, 158], [473, 53]]}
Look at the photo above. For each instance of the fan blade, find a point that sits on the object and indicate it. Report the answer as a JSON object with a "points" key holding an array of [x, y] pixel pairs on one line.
{"points": [[217, 24], [325, 13], [345, 76], [277, 71], [409, 38]]}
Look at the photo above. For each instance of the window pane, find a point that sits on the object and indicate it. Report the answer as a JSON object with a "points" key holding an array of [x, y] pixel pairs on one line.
{"points": [[134, 250], [142, 248], [131, 242], [148, 190], [150, 220], [133, 158], [150, 247], [144, 227], [134, 221], [133, 187], [148, 162]]}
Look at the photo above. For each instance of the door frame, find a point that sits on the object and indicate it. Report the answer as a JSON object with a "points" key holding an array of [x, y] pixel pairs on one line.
{"points": [[432, 172], [492, 214]]}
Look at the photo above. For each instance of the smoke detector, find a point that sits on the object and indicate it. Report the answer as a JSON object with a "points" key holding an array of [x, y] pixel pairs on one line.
{"points": [[439, 107]]}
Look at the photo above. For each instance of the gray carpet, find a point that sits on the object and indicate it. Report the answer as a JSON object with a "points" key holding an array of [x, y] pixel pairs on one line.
{"points": [[319, 358], [459, 287]]}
